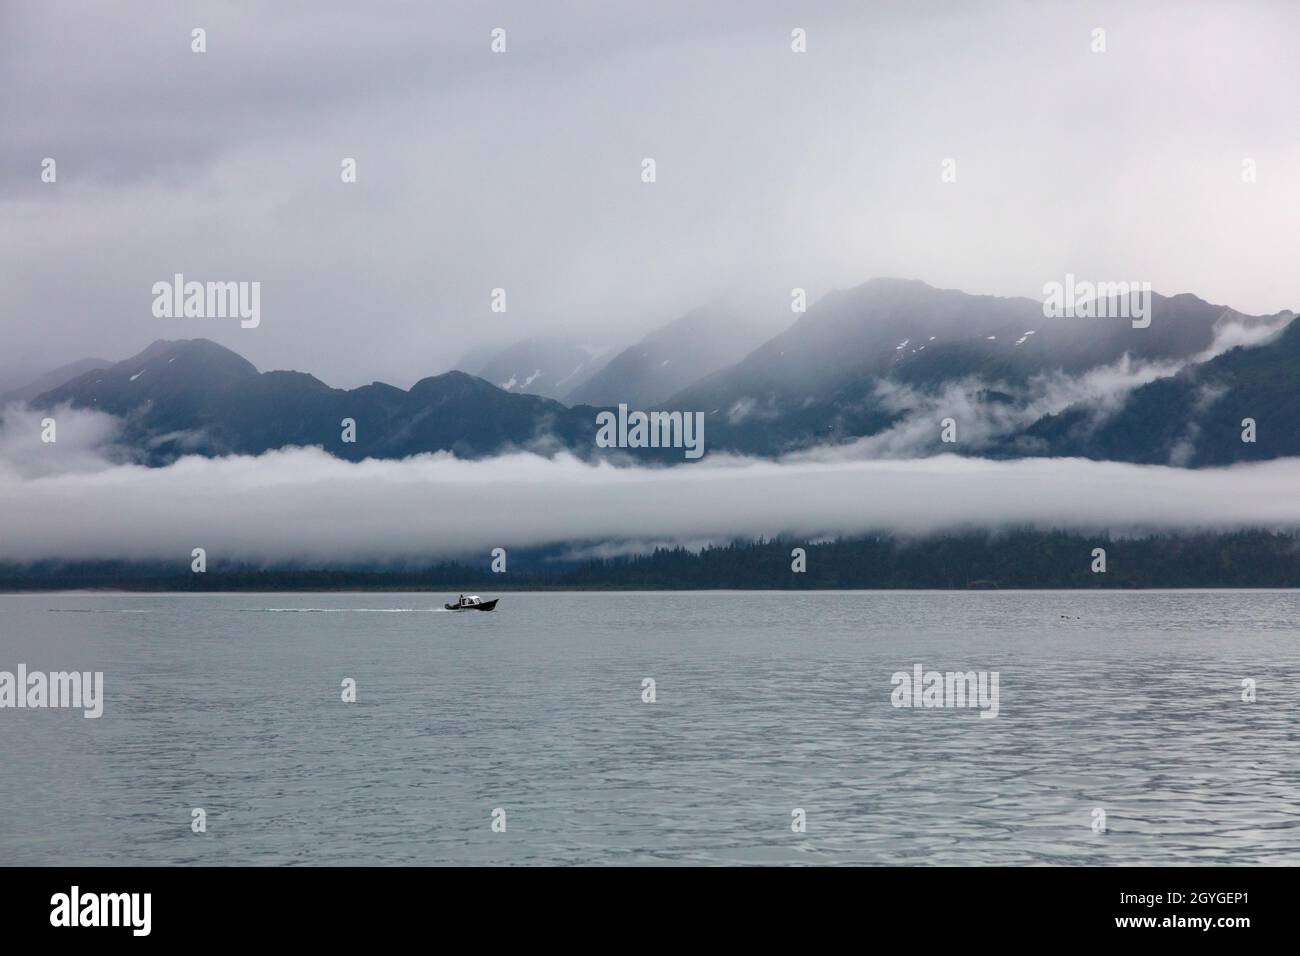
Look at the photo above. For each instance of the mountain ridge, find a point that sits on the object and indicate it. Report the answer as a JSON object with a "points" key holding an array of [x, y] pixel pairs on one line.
{"points": [[874, 368], [194, 396]]}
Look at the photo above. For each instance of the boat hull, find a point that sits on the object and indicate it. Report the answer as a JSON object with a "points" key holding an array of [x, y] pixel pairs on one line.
{"points": [[483, 606]]}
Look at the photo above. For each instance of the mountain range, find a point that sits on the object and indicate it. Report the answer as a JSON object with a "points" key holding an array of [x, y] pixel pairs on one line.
{"points": [[671, 358], [52, 379], [877, 368], [551, 368], [870, 361], [644, 374]]}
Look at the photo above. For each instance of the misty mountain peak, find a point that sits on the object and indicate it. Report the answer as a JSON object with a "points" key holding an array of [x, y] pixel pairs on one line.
{"points": [[195, 352], [455, 378]]}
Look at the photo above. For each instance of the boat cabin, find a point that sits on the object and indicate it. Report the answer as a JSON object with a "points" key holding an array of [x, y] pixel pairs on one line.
{"points": [[472, 602]]}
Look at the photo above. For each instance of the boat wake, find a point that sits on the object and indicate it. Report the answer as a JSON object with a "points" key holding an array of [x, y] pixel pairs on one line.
{"points": [[344, 610], [99, 610], [262, 610]]}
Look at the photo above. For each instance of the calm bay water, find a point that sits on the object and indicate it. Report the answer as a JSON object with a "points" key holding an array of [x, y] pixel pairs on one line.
{"points": [[766, 702]]}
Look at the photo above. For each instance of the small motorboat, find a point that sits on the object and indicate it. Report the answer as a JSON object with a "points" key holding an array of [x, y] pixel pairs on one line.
{"points": [[472, 602]]}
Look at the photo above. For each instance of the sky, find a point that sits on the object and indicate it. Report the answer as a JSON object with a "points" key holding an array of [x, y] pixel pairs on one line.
{"points": [[522, 170]]}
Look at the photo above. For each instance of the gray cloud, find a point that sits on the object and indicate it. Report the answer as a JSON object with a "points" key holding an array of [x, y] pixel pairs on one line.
{"points": [[84, 441], [302, 504], [477, 171]]}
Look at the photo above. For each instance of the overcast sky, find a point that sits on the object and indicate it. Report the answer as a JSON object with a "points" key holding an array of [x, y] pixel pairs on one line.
{"points": [[522, 170]]}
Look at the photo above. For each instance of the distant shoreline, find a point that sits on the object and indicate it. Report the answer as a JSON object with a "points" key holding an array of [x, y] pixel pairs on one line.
{"points": [[111, 592], [971, 561]]}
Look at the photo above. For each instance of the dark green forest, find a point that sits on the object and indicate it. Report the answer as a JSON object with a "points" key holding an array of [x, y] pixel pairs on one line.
{"points": [[1010, 559]]}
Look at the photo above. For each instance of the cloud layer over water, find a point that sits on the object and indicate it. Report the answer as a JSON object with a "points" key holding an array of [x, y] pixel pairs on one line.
{"points": [[304, 505]]}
